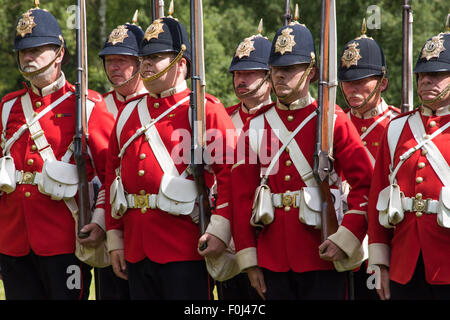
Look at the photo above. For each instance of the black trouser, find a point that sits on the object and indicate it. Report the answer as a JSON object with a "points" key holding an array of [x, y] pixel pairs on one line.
{"points": [[418, 288], [31, 277], [237, 288], [185, 280], [312, 285], [108, 286], [362, 292]]}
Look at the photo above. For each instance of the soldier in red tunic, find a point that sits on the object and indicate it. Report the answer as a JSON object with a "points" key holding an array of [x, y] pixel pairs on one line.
{"points": [[409, 239], [37, 204], [288, 260], [363, 77], [152, 231], [120, 55]]}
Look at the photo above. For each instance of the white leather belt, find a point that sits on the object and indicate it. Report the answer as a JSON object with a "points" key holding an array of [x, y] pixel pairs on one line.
{"points": [[420, 205], [287, 199], [26, 177], [146, 201]]}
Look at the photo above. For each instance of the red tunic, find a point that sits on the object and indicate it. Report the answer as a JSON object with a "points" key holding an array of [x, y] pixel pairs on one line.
{"points": [[36, 222], [287, 244], [414, 234], [157, 235]]}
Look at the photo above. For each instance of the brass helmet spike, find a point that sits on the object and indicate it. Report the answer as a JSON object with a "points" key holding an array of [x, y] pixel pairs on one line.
{"points": [[135, 17], [170, 12], [260, 26], [364, 28], [296, 14], [36, 3]]}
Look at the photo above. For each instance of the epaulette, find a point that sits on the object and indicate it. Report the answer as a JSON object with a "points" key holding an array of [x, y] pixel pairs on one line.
{"points": [[139, 96], [94, 96], [107, 93], [394, 109], [232, 109], [212, 99], [264, 109], [14, 94]]}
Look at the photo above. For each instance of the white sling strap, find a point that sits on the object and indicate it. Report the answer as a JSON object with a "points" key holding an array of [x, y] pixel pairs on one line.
{"points": [[299, 160], [123, 118], [373, 125], [237, 121], [394, 131], [111, 105], [7, 106], [256, 133]]}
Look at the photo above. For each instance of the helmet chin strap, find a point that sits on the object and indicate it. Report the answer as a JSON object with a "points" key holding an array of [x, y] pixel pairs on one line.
{"points": [[248, 93], [299, 83], [437, 98], [119, 85], [38, 71], [374, 91], [171, 64]]}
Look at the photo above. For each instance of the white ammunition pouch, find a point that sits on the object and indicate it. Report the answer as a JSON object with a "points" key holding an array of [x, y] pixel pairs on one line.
{"points": [[263, 211], [176, 195], [7, 174], [58, 179], [443, 210], [310, 206], [117, 199], [389, 206]]}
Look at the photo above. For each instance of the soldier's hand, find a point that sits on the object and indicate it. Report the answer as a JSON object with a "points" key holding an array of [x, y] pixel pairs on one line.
{"points": [[118, 263], [256, 278], [384, 292], [329, 251], [96, 235], [214, 248]]}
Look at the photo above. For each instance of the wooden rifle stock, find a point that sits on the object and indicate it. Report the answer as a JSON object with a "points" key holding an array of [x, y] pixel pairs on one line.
{"points": [[80, 143], [197, 104], [322, 157]]}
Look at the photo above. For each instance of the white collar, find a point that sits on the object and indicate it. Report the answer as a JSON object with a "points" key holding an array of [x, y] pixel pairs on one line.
{"points": [[297, 104], [123, 99], [379, 109], [51, 88], [170, 92], [442, 111], [255, 109]]}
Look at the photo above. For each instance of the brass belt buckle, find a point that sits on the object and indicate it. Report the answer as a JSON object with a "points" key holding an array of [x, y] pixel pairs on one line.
{"points": [[288, 200], [27, 177], [140, 201], [420, 205]]}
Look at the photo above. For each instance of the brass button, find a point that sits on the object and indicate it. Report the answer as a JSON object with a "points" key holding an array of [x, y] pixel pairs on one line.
{"points": [[287, 149], [38, 104], [30, 162], [143, 210], [33, 147], [419, 179], [432, 124], [27, 194], [147, 138], [290, 118], [141, 172], [421, 165], [419, 214], [156, 105], [424, 152], [363, 129], [365, 143], [142, 156], [142, 192], [35, 114], [287, 178], [426, 136], [375, 144], [374, 112], [287, 209], [288, 163], [419, 196]]}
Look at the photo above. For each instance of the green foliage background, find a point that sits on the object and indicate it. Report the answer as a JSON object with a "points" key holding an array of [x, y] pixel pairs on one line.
{"points": [[227, 22]]}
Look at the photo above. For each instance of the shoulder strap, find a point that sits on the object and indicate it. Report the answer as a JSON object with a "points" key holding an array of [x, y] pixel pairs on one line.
{"points": [[256, 132], [111, 104], [123, 118], [236, 119], [7, 106], [394, 131]]}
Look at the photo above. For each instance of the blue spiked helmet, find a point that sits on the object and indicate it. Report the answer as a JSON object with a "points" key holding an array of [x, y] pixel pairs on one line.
{"points": [[292, 44], [435, 54], [124, 39], [252, 53], [36, 28]]}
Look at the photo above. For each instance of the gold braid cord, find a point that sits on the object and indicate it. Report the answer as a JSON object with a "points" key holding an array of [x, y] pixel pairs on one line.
{"points": [[437, 98], [243, 95]]}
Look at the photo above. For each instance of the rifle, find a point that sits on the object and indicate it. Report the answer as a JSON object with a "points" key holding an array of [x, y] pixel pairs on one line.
{"points": [[197, 105], [407, 48], [323, 155], [157, 9], [80, 139], [287, 13]]}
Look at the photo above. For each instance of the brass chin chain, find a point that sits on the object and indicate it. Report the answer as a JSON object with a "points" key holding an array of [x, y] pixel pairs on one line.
{"points": [[244, 95], [437, 98], [302, 79], [377, 88], [38, 71], [116, 86], [162, 72]]}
